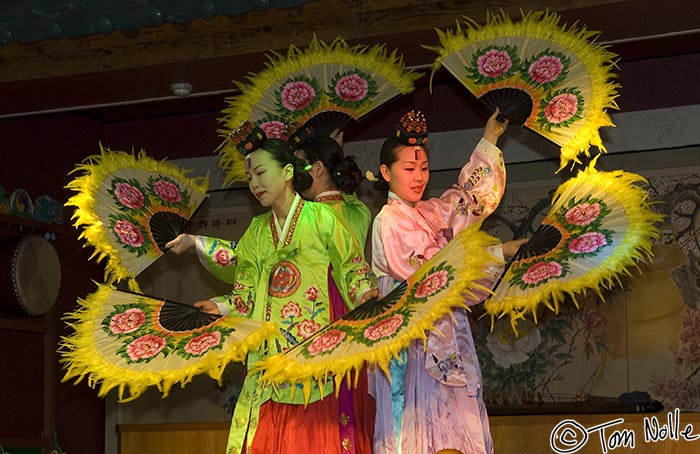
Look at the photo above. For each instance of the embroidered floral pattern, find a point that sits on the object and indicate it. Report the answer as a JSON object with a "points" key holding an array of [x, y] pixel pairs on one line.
{"points": [[222, 257], [290, 310]]}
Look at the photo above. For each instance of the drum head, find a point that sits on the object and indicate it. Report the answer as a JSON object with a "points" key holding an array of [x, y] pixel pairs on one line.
{"points": [[36, 275]]}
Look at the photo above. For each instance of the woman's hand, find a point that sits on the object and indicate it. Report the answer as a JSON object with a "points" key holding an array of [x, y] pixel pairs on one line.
{"points": [[511, 247], [183, 242], [207, 306], [369, 294], [494, 128]]}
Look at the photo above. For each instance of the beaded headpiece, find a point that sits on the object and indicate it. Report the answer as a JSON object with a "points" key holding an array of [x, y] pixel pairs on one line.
{"points": [[412, 129], [247, 138]]}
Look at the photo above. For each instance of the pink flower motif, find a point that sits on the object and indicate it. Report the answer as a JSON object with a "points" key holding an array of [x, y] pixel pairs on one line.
{"points": [[128, 233], [222, 257], [146, 346], [431, 284], [274, 129], [291, 309], [127, 321], [297, 95], [385, 328], [587, 243], [541, 271], [129, 195], [545, 69], [689, 339], [353, 292], [238, 286], [306, 328], [494, 63], [561, 108], [240, 305], [596, 323], [326, 342], [351, 88], [200, 344], [312, 293], [583, 214], [167, 191], [356, 259]]}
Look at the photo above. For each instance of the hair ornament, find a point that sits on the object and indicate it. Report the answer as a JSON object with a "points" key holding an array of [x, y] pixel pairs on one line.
{"points": [[370, 176], [247, 137], [412, 129]]}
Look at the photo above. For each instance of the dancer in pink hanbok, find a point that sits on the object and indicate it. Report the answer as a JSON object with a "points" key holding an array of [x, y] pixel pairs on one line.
{"points": [[434, 400]]}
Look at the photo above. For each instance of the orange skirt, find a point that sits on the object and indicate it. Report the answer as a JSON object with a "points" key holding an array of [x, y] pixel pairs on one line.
{"points": [[319, 428]]}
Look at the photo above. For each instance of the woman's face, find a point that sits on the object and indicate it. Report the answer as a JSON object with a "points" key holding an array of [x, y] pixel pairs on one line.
{"points": [[408, 175], [267, 179]]}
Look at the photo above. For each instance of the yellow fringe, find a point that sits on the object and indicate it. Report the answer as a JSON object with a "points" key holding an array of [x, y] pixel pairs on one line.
{"points": [[82, 359], [375, 59], [636, 245], [577, 40], [95, 170], [283, 368]]}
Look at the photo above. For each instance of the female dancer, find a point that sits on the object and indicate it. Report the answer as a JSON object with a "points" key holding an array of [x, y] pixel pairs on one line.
{"points": [[434, 398], [281, 276]]}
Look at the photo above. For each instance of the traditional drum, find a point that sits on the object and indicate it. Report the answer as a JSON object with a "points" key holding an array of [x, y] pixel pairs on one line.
{"points": [[30, 275]]}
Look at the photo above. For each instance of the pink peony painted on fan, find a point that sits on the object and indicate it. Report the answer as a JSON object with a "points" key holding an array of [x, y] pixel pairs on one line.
{"points": [[561, 108], [297, 95], [145, 347], [129, 195], [200, 344], [587, 243], [291, 309], [274, 129], [127, 321], [384, 328], [542, 271], [222, 257], [326, 342], [494, 63], [307, 327], [431, 284], [351, 88], [583, 213], [167, 191], [128, 233], [546, 69]]}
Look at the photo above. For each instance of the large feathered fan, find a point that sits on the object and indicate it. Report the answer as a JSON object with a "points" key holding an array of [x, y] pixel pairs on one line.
{"points": [[322, 88], [130, 207], [600, 225], [375, 332], [131, 341], [554, 80]]}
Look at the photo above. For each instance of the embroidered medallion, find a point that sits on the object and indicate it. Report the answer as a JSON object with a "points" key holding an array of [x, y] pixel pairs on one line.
{"points": [[284, 280]]}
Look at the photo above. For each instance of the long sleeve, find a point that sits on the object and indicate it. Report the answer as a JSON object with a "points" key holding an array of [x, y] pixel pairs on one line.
{"points": [[218, 256]]}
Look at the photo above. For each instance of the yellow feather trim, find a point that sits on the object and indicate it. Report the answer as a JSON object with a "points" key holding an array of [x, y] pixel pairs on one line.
{"points": [[575, 40], [375, 60], [94, 171], [82, 358], [636, 245], [283, 369]]}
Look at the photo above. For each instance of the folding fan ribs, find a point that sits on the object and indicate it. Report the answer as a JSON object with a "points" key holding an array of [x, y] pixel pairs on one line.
{"points": [[130, 206], [376, 331], [320, 88], [130, 342], [600, 224], [552, 79]]}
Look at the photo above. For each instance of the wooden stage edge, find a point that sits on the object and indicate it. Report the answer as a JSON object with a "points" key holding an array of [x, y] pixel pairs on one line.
{"points": [[667, 432]]}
